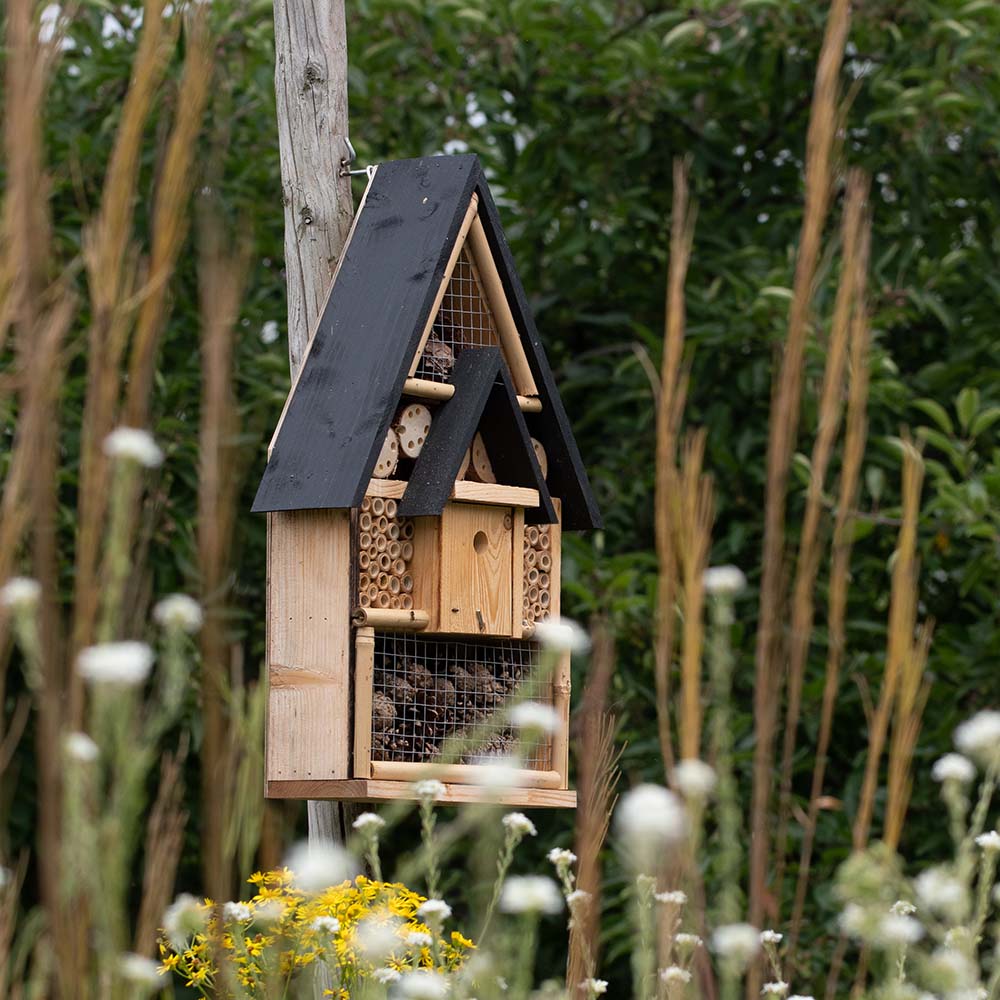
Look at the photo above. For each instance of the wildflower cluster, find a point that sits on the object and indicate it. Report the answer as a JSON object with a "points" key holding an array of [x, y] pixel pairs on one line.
{"points": [[359, 930]]}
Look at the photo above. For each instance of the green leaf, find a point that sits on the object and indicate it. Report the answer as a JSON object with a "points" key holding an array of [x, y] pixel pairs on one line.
{"points": [[967, 406], [937, 413], [684, 33], [983, 421]]}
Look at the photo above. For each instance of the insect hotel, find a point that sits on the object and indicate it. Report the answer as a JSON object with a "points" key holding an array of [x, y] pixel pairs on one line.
{"points": [[418, 485]]}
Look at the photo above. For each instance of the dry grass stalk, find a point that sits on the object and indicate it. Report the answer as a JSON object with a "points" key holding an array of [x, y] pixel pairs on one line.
{"points": [[850, 475], [781, 439], [902, 615], [670, 403], [221, 288], [597, 778], [810, 548], [111, 280], [693, 527], [170, 218], [164, 840]]}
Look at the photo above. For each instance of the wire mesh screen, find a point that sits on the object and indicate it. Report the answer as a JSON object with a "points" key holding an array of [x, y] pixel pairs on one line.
{"points": [[428, 690], [464, 320]]}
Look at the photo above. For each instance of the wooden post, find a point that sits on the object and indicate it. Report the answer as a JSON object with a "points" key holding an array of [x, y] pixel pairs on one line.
{"points": [[310, 82]]}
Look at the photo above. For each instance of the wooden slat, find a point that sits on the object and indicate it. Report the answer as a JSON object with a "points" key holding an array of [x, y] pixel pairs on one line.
{"points": [[426, 568], [562, 678], [308, 635], [490, 493], [463, 774], [517, 574], [364, 684], [510, 338], [463, 233], [361, 790]]}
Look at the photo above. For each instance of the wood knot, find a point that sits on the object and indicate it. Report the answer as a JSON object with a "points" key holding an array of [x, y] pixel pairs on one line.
{"points": [[312, 75]]}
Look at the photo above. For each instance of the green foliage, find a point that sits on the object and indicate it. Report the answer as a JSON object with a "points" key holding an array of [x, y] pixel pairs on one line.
{"points": [[577, 109]]}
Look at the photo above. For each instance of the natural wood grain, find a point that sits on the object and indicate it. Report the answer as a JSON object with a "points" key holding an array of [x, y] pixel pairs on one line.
{"points": [[427, 568], [425, 388], [378, 618], [509, 337], [517, 573], [490, 493], [364, 683], [360, 790], [310, 82], [308, 593], [476, 564], [462, 774], [463, 232]]}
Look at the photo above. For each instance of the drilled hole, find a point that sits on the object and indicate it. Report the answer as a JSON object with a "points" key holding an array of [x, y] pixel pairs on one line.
{"points": [[480, 542]]}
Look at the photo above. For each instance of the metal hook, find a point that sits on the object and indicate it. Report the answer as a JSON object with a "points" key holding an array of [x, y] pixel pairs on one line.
{"points": [[346, 161]]}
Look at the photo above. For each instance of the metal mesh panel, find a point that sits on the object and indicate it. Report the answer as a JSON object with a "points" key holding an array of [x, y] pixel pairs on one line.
{"points": [[464, 320], [430, 689]]}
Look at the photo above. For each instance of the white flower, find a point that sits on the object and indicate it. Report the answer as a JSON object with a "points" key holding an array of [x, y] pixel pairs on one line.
{"points": [[269, 332], [368, 822], [941, 892], [123, 663], [20, 593], [534, 717], [724, 581], [594, 987], [979, 736], [577, 896], [134, 444], [519, 824], [81, 747], [801, 996], [498, 772], [419, 939], [386, 976], [318, 866], [687, 942], [434, 909], [899, 929], [530, 894], [184, 918], [649, 818], [560, 857], [179, 611], [953, 767], [236, 911], [694, 778], [326, 925], [902, 908], [739, 942], [429, 790], [989, 842], [138, 969], [675, 974], [377, 939], [269, 912], [676, 897], [952, 969], [770, 937], [775, 989], [856, 921], [422, 984], [562, 635]]}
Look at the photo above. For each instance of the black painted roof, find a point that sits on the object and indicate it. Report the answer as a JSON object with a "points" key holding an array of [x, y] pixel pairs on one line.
{"points": [[352, 378]]}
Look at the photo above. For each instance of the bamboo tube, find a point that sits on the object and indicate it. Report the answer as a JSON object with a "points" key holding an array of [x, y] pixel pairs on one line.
{"points": [[365, 540], [365, 520], [544, 561], [384, 562], [392, 531], [406, 529], [532, 533], [364, 582], [366, 504], [393, 585], [390, 507], [382, 618], [406, 582], [544, 581], [378, 506], [406, 551], [373, 592], [395, 550], [532, 594], [364, 600], [531, 576], [530, 558], [544, 540], [536, 610], [383, 581], [381, 543], [394, 602], [406, 602], [382, 524], [364, 559], [383, 600], [398, 568], [543, 599]]}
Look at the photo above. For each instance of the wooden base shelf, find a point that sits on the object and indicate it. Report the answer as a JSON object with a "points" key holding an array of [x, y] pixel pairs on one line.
{"points": [[372, 790]]}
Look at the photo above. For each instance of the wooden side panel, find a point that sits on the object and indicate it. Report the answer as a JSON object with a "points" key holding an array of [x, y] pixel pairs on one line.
{"points": [[364, 682], [517, 574], [308, 596], [476, 563], [426, 569]]}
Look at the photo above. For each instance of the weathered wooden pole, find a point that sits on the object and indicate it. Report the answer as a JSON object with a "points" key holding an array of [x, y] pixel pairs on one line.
{"points": [[310, 83]]}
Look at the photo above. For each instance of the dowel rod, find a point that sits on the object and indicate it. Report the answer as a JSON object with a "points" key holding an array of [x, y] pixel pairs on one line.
{"points": [[390, 618]]}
